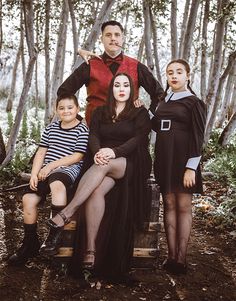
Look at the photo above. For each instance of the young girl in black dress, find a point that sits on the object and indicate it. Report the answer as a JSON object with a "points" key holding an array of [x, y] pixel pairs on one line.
{"points": [[119, 145], [179, 121]]}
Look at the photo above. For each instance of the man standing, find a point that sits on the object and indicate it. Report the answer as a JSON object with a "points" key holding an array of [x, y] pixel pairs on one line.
{"points": [[98, 73]]}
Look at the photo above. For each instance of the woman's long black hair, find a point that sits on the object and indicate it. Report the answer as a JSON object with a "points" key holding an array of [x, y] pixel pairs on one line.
{"points": [[187, 68], [111, 101]]}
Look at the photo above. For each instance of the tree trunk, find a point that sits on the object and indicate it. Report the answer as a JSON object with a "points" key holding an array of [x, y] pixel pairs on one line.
{"points": [[228, 131], [29, 26], [74, 29], [126, 24], [173, 30], [140, 49], [228, 70], [148, 34], [58, 68], [215, 75], [204, 49], [183, 27], [155, 47], [29, 17], [228, 91], [22, 33], [48, 104], [2, 148], [36, 102], [94, 34], [232, 107], [197, 47], [1, 32], [190, 29], [13, 81], [19, 54]]}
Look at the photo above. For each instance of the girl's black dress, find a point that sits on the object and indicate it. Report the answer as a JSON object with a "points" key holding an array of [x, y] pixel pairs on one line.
{"points": [[126, 204], [180, 127]]}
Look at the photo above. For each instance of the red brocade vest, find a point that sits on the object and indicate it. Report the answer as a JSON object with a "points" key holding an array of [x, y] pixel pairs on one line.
{"points": [[100, 78]]}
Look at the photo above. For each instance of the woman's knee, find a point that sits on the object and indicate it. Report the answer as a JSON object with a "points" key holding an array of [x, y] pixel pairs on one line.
{"points": [[184, 203], [169, 201]]}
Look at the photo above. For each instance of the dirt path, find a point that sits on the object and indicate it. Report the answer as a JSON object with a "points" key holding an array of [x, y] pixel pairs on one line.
{"points": [[211, 275]]}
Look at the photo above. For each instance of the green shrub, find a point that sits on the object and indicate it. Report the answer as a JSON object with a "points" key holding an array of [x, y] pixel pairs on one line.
{"points": [[35, 131], [24, 128], [221, 160], [9, 123]]}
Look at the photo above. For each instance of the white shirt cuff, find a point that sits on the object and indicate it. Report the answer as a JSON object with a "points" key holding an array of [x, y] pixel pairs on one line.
{"points": [[193, 162], [150, 114]]}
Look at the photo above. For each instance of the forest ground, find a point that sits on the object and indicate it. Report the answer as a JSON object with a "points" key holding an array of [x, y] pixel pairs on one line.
{"points": [[211, 274]]}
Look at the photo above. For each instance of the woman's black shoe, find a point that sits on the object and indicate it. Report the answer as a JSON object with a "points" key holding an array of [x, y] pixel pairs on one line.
{"points": [[180, 268], [52, 242], [169, 265]]}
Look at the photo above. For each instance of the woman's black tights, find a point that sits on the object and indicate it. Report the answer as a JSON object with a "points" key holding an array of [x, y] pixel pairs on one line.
{"points": [[178, 223]]}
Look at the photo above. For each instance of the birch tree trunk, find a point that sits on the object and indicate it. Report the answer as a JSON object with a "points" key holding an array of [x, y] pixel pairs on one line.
{"points": [[216, 68], [228, 69], [29, 19], [1, 32], [48, 104], [183, 27], [228, 91], [126, 25], [232, 107], [36, 103], [188, 37], [197, 46], [94, 34], [147, 34], [58, 67], [19, 54], [11, 95], [155, 47], [22, 34], [140, 49], [204, 49], [173, 30], [74, 29], [228, 131]]}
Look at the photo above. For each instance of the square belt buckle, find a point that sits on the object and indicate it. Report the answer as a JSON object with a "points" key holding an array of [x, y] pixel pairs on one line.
{"points": [[165, 124]]}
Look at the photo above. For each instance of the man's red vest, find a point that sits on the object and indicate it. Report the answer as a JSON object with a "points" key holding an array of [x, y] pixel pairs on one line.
{"points": [[100, 78]]}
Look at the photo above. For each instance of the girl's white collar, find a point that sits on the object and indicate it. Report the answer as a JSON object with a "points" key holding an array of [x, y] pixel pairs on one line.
{"points": [[177, 95]]}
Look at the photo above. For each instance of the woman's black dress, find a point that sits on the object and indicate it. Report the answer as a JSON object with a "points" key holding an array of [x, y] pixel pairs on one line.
{"points": [[180, 127], [126, 204]]}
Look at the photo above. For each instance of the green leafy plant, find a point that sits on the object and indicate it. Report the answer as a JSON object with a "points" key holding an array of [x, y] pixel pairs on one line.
{"points": [[221, 161], [24, 128], [9, 123]]}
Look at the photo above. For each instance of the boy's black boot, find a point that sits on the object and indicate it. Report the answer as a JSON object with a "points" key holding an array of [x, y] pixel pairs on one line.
{"points": [[29, 247]]}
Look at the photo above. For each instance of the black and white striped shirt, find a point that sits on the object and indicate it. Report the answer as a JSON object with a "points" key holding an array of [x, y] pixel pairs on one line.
{"points": [[63, 142]]}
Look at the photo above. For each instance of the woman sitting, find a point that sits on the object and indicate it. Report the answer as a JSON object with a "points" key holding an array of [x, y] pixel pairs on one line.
{"points": [[113, 188]]}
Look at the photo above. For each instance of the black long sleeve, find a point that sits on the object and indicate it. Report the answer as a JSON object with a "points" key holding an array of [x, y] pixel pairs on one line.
{"points": [[150, 84], [75, 81]]}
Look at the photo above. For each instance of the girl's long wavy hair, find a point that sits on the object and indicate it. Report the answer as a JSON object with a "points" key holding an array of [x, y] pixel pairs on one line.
{"points": [[111, 101], [187, 68]]}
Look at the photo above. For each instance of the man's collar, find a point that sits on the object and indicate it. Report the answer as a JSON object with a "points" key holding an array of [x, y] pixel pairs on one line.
{"points": [[105, 55]]}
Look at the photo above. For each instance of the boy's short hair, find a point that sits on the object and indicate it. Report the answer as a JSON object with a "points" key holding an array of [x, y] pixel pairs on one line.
{"points": [[73, 97], [112, 23]]}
